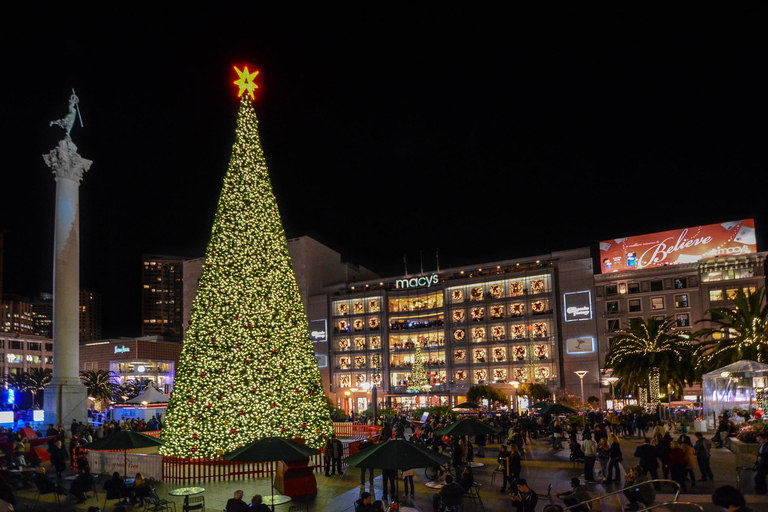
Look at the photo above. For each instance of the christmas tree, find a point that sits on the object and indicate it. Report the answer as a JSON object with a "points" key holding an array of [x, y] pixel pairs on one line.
{"points": [[418, 381], [247, 369]]}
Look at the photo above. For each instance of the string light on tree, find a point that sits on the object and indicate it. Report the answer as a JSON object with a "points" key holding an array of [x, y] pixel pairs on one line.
{"points": [[247, 369], [418, 381]]}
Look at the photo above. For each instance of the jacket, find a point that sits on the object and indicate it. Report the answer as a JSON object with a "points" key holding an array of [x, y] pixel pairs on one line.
{"points": [[648, 455]]}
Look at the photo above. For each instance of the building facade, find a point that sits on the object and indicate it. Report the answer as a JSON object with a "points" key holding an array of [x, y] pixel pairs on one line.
{"points": [[162, 292], [21, 352], [134, 358], [528, 320], [90, 315], [16, 315]]}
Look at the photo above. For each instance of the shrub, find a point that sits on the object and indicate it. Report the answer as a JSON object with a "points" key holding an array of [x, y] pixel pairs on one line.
{"points": [[748, 432]]}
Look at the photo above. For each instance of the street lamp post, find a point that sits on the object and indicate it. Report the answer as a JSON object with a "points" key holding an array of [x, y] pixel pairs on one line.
{"points": [[581, 374], [612, 381], [515, 385]]}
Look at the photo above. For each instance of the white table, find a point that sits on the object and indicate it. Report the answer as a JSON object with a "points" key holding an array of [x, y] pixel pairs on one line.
{"points": [[476, 465], [435, 485]]}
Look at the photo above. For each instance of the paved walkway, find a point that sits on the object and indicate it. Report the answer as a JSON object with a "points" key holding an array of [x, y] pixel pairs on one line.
{"points": [[542, 467]]}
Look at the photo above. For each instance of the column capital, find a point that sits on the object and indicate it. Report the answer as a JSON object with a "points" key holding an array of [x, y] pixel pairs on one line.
{"points": [[66, 162]]}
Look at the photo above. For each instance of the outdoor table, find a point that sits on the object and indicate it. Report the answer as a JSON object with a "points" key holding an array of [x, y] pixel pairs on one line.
{"points": [[186, 492], [435, 485], [277, 499], [476, 465]]}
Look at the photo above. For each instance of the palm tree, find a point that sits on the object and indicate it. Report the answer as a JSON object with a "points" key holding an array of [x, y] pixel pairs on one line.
{"points": [[651, 350], [100, 384], [135, 387], [738, 333], [37, 379], [17, 381]]}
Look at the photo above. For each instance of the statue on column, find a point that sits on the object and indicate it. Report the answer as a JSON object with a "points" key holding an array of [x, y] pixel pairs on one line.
{"points": [[69, 120], [64, 159]]}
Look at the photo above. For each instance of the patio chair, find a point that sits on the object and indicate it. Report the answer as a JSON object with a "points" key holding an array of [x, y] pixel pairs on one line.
{"points": [[473, 494], [194, 503], [547, 496], [38, 494]]}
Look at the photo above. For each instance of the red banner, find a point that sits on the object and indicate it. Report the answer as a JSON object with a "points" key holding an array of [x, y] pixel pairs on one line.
{"points": [[678, 246]]}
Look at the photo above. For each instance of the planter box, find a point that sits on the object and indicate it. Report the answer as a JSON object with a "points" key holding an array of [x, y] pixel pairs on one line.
{"points": [[699, 426], [745, 452]]}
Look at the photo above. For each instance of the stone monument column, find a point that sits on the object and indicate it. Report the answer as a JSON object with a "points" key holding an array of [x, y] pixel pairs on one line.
{"points": [[66, 397]]}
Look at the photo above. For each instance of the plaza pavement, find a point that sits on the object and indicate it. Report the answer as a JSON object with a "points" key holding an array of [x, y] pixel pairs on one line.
{"points": [[541, 467]]}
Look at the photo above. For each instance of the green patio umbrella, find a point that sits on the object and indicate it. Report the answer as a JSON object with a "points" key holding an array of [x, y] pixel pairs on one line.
{"points": [[467, 427], [271, 449], [397, 454], [467, 406], [124, 440], [556, 409], [541, 405]]}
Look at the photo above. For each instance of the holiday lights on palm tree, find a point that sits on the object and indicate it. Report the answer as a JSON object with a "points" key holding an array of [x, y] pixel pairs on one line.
{"points": [[651, 351], [418, 381], [738, 333], [247, 369]]}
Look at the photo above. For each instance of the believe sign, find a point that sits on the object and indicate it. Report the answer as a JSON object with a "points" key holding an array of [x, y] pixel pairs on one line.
{"points": [[578, 306]]}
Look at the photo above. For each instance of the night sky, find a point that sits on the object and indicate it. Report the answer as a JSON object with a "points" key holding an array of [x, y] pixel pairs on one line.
{"points": [[483, 134]]}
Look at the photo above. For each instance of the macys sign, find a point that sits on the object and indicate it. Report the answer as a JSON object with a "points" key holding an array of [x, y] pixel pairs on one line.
{"points": [[415, 282]]}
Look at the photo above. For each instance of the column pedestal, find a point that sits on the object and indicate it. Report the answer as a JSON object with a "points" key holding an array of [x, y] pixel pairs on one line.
{"points": [[63, 403]]}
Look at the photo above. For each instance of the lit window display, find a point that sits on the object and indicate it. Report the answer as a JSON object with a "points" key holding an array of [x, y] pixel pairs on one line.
{"points": [[541, 372], [374, 305], [457, 295], [496, 291], [459, 334], [345, 381], [517, 309], [518, 352], [342, 308], [419, 303], [518, 331], [538, 307], [359, 324], [497, 331], [499, 354], [516, 288], [375, 342], [457, 315], [478, 314], [375, 360], [343, 326], [430, 340], [500, 374], [520, 374], [540, 330], [476, 293], [541, 351], [497, 311], [460, 356], [343, 363], [343, 344], [359, 343], [480, 375], [416, 322], [373, 323], [478, 334], [359, 361], [461, 375], [358, 307], [360, 378], [731, 293], [479, 355], [538, 286], [400, 378]]}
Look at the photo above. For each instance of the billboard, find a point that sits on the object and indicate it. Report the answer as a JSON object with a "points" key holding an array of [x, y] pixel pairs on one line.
{"points": [[677, 246], [578, 306]]}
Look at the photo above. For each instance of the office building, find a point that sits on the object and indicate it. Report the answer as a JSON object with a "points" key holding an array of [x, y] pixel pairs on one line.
{"points": [[162, 282], [90, 315]]}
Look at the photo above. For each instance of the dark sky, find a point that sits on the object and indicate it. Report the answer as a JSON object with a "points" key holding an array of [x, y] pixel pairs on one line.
{"points": [[483, 133]]}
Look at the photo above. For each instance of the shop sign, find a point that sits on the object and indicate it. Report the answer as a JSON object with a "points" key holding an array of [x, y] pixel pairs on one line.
{"points": [[322, 360], [678, 246], [416, 282], [578, 306], [581, 345], [121, 350], [318, 330]]}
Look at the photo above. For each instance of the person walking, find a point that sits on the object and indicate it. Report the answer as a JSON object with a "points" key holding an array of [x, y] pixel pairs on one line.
{"points": [[703, 450], [649, 460], [333, 452], [589, 447], [677, 464], [615, 460], [690, 458], [603, 455]]}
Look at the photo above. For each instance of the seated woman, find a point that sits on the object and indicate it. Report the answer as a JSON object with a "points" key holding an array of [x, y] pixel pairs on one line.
{"points": [[140, 489], [82, 483]]}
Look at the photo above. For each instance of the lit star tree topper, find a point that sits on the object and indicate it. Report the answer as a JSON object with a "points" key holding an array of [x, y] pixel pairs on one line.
{"points": [[245, 82], [247, 369]]}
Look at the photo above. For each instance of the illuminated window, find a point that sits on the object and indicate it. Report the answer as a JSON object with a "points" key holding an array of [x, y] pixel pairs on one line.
{"points": [[681, 301], [681, 282], [731, 293], [715, 295], [749, 290], [683, 320], [657, 303]]}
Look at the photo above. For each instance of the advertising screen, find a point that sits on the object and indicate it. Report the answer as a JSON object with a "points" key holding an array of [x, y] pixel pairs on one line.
{"points": [[677, 246]]}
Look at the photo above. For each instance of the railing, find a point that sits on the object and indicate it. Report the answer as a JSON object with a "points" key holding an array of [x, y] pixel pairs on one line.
{"points": [[346, 429], [176, 469], [600, 498]]}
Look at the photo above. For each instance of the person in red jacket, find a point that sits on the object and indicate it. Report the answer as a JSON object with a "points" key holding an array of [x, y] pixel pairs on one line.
{"points": [[677, 464]]}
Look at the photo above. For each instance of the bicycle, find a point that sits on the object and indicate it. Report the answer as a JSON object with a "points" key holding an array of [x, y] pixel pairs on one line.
{"points": [[435, 472]]}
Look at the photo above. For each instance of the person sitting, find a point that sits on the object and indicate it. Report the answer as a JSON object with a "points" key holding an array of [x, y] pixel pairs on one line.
{"points": [[467, 479], [140, 490], [378, 506], [115, 487], [450, 495], [578, 494], [45, 485], [730, 498], [364, 503], [236, 503], [82, 483], [642, 494], [257, 504]]}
